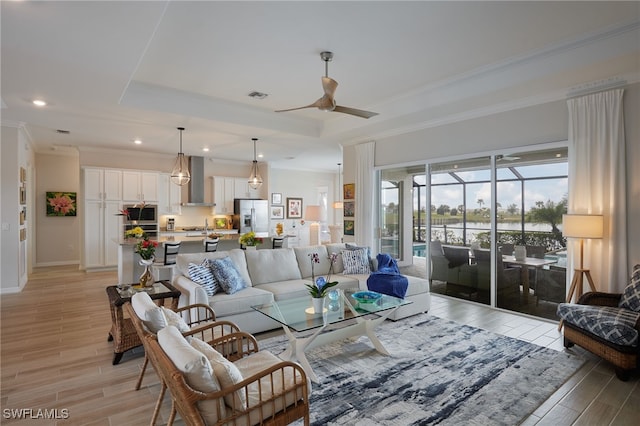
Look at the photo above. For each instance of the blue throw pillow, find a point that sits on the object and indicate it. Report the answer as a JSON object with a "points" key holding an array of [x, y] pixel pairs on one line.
{"points": [[227, 275], [203, 276]]}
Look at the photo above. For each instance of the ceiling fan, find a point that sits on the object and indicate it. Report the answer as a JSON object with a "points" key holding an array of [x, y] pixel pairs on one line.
{"points": [[327, 102]]}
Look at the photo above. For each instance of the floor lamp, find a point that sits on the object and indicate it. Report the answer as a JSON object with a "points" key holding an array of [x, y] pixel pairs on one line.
{"points": [[581, 226], [313, 215]]}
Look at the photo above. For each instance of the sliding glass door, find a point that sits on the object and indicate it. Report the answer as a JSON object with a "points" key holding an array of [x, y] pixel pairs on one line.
{"points": [[469, 215]]}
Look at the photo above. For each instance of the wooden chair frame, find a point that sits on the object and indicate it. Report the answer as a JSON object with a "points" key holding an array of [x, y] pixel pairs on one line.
{"points": [[185, 398], [202, 321]]}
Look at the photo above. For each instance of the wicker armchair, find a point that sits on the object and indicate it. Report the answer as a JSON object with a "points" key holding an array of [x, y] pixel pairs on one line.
{"points": [[275, 391], [623, 357], [202, 323]]}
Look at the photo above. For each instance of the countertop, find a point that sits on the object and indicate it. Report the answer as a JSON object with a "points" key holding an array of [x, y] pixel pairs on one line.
{"points": [[184, 239]]}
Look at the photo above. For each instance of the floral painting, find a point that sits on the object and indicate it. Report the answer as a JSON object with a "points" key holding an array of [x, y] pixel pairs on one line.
{"points": [[61, 203]]}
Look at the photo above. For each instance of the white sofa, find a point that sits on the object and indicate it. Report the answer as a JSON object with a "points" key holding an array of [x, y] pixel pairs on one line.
{"points": [[276, 275]]}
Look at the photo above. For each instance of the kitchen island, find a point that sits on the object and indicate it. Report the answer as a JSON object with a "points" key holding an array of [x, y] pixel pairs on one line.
{"points": [[129, 269]]}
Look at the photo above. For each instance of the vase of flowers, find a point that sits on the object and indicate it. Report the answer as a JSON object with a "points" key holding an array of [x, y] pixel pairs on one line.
{"points": [[249, 240], [319, 287], [146, 249], [136, 232]]}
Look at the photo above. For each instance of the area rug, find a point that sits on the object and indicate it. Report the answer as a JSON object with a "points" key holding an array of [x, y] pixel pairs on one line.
{"points": [[439, 373]]}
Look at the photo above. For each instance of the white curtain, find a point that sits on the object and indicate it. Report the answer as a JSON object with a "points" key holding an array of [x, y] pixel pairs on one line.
{"points": [[597, 184], [365, 160]]}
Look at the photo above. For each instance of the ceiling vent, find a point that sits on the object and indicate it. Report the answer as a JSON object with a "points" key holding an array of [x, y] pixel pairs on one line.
{"points": [[257, 95]]}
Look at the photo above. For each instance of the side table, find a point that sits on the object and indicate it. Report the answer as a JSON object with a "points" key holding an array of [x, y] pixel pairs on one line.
{"points": [[122, 333]]}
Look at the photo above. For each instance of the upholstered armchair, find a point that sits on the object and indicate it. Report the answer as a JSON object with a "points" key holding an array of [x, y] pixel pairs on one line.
{"points": [[607, 324]]}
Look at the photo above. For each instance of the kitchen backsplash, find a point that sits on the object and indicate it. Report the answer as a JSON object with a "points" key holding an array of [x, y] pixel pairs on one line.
{"points": [[195, 217]]}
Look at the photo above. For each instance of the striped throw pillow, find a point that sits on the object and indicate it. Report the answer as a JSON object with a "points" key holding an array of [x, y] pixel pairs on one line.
{"points": [[203, 276]]}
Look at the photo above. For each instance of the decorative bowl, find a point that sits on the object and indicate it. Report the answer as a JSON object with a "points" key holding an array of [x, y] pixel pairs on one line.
{"points": [[366, 297]]}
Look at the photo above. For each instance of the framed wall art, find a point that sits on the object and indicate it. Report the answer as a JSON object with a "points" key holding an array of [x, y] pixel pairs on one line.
{"points": [[349, 227], [276, 198], [349, 208], [61, 203], [349, 191], [277, 212], [23, 194], [294, 208]]}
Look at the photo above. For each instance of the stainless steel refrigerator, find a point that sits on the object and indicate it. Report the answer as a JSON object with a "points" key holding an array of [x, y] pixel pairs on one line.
{"points": [[251, 215]]}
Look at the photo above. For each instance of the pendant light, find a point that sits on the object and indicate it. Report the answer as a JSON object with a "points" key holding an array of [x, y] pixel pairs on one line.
{"points": [[180, 173], [255, 181], [338, 204]]}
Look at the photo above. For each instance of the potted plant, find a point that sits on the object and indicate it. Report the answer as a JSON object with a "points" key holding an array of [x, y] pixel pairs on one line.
{"points": [[249, 240], [319, 287]]}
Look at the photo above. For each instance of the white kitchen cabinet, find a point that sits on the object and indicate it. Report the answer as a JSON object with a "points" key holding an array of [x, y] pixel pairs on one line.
{"points": [[243, 190], [101, 232], [140, 186], [168, 195], [223, 194], [102, 222], [102, 184], [226, 189]]}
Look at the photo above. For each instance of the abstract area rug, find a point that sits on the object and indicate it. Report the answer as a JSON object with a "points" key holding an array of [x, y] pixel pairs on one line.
{"points": [[439, 373]]}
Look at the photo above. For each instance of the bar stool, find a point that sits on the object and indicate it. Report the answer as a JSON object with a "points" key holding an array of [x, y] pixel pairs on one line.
{"points": [[211, 244], [278, 242], [171, 250]]}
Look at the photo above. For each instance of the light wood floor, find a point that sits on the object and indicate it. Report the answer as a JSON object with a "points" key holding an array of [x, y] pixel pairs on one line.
{"points": [[55, 356]]}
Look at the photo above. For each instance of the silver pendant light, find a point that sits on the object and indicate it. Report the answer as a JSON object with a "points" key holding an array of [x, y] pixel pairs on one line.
{"points": [[180, 174], [255, 180]]}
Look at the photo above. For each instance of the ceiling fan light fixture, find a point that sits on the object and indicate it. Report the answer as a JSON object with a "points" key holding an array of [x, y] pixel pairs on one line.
{"points": [[180, 174], [255, 180]]}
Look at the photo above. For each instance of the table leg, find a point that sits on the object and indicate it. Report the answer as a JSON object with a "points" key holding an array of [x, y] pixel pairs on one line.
{"points": [[117, 356], [362, 327]]}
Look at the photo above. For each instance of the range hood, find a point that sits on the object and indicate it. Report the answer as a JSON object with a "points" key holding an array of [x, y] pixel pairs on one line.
{"points": [[195, 187]]}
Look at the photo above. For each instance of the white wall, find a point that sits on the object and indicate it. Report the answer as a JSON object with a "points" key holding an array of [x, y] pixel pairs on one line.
{"points": [[58, 239], [15, 152], [527, 126]]}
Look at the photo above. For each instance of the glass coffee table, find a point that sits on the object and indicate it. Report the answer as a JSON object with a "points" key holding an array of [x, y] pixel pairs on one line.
{"points": [[342, 317]]}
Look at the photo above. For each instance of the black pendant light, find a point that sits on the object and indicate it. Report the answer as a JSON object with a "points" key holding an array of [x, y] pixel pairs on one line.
{"points": [[180, 174], [255, 181]]}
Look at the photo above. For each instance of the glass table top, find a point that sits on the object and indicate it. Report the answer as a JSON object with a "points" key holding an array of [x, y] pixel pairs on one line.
{"points": [[338, 306]]}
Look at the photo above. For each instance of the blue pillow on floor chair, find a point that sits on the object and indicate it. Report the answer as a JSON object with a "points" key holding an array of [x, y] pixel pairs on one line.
{"points": [[387, 279]]}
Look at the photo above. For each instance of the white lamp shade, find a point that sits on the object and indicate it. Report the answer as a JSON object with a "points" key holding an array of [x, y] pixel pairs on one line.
{"points": [[582, 225], [313, 213]]}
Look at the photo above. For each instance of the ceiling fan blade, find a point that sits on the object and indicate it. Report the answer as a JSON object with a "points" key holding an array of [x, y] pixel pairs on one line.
{"points": [[354, 111], [329, 86], [316, 104]]}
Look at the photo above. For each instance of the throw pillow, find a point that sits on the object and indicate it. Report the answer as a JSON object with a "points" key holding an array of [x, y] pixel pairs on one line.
{"points": [[149, 313], [205, 349], [229, 375], [356, 261], [457, 256], [227, 275], [631, 295], [175, 320], [373, 262], [226, 372], [203, 276], [197, 370]]}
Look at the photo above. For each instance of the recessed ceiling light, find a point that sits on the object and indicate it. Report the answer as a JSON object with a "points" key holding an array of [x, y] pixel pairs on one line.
{"points": [[558, 155], [39, 102], [260, 155], [137, 141], [205, 149]]}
